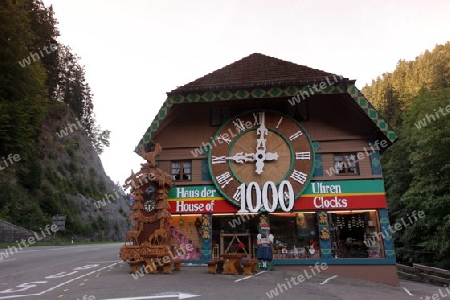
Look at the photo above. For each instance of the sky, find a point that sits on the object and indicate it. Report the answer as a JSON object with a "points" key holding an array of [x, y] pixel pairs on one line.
{"points": [[136, 51]]}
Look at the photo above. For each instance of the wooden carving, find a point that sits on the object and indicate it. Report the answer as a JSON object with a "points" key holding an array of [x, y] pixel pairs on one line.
{"points": [[158, 237], [150, 233], [133, 235], [150, 156]]}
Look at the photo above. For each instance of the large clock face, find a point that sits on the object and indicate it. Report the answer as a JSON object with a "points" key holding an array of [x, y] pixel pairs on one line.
{"points": [[261, 159]]}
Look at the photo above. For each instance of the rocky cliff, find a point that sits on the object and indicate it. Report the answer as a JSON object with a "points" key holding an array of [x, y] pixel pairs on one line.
{"points": [[63, 175]]}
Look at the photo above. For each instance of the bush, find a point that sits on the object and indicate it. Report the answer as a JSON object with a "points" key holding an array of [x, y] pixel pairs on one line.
{"points": [[29, 173]]}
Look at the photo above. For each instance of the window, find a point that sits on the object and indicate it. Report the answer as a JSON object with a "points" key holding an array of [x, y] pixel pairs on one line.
{"points": [[181, 170], [346, 164], [296, 236], [356, 235]]}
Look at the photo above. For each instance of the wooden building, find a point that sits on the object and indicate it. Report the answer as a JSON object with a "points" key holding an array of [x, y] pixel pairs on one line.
{"points": [[300, 146]]}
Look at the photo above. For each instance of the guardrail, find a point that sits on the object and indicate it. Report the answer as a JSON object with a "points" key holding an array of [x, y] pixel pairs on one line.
{"points": [[424, 273]]}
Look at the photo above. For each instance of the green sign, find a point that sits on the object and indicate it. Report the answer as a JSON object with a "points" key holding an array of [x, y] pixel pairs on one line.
{"points": [[345, 187], [314, 187]]}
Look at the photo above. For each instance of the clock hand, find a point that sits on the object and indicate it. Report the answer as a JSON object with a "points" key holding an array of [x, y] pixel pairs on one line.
{"points": [[241, 157], [271, 156], [262, 131], [260, 155]]}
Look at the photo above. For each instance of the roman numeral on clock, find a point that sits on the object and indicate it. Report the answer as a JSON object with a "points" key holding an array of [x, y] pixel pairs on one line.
{"points": [[218, 160], [302, 155], [279, 122], [239, 124], [258, 116], [224, 139], [295, 135], [298, 176], [237, 194], [224, 179]]}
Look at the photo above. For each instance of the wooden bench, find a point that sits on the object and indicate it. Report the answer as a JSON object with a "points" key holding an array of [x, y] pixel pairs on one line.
{"points": [[166, 268], [134, 265], [250, 266], [211, 266], [219, 268], [215, 266], [254, 265], [177, 264]]}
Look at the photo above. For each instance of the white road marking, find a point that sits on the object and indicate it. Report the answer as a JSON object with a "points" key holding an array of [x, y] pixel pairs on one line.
{"points": [[25, 251], [247, 277], [179, 295], [408, 292], [5, 260], [15, 296], [83, 250], [70, 280], [106, 262], [61, 284], [60, 248], [326, 280]]}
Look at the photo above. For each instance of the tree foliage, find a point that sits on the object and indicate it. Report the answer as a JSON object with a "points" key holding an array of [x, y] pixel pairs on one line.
{"points": [[23, 94], [72, 89], [414, 98], [35, 69], [37, 75]]}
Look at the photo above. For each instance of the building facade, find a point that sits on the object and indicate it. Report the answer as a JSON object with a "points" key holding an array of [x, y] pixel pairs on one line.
{"points": [[263, 139]]}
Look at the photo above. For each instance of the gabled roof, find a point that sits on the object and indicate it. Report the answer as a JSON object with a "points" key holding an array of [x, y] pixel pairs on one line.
{"points": [[258, 76], [256, 70]]}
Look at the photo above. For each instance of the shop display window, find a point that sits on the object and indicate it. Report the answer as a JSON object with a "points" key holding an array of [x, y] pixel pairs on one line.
{"points": [[296, 235], [355, 234]]}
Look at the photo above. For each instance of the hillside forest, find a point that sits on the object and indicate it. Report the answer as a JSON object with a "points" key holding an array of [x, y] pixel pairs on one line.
{"points": [[47, 124], [415, 100]]}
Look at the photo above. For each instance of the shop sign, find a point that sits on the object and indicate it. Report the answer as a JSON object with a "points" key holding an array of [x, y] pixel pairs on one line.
{"points": [[204, 191], [201, 206], [345, 186], [349, 201], [318, 195], [194, 207], [285, 192], [335, 202]]}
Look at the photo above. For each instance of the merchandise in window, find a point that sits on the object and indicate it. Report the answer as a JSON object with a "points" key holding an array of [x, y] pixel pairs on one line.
{"points": [[355, 235], [296, 235], [346, 164], [181, 170]]}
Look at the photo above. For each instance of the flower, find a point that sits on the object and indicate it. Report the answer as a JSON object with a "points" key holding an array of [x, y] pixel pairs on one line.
{"points": [[241, 245]]}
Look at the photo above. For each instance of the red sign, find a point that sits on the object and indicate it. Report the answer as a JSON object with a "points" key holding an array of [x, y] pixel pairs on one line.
{"points": [[340, 202], [189, 206]]}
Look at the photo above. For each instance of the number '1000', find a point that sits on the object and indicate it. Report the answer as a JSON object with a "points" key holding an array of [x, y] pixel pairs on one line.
{"points": [[278, 196]]}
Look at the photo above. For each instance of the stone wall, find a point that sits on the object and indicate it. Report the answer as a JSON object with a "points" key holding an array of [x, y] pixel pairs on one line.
{"points": [[10, 233]]}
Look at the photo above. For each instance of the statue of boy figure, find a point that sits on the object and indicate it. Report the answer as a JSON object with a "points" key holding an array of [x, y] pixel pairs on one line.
{"points": [[264, 251]]}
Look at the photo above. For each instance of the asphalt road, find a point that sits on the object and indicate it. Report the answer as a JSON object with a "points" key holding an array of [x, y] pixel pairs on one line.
{"points": [[94, 272]]}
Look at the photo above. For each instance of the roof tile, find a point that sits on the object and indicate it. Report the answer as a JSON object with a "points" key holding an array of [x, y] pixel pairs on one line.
{"points": [[256, 70]]}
